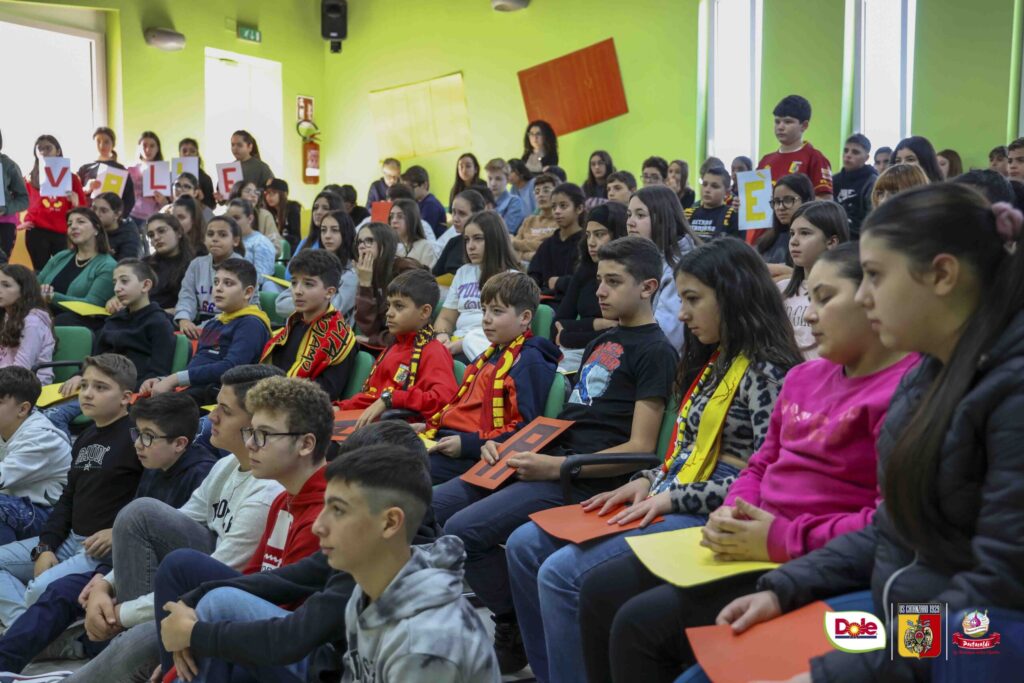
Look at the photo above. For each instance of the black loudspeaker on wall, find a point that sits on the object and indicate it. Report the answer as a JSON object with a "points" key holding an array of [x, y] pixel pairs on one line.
{"points": [[334, 22]]}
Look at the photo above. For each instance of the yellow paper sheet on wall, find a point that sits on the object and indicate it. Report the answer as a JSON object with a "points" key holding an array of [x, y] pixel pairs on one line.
{"points": [[50, 395], [83, 308], [679, 558], [421, 118]]}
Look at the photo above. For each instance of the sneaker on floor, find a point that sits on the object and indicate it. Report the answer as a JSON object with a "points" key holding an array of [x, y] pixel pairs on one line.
{"points": [[68, 645], [508, 646], [52, 677]]}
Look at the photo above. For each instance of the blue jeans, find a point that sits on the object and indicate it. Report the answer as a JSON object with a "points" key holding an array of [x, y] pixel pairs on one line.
{"points": [[20, 518], [232, 604], [546, 574], [180, 572], [63, 414], [18, 590], [443, 468], [43, 622], [851, 602], [483, 520]]}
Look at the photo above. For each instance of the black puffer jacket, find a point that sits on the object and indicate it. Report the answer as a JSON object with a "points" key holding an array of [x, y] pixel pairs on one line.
{"points": [[981, 486]]}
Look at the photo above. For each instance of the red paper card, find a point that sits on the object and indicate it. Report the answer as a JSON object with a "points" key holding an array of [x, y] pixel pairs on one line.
{"points": [[572, 523], [576, 90], [532, 437], [345, 424], [756, 653], [380, 212]]}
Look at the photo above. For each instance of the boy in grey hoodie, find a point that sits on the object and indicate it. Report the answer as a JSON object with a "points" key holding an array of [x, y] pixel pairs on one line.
{"points": [[406, 619], [35, 457]]}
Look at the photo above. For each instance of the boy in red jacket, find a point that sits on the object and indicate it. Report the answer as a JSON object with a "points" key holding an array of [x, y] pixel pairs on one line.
{"points": [[416, 372], [292, 421]]}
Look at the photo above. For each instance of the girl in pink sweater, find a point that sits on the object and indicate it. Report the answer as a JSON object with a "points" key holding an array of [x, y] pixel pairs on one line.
{"points": [[813, 478], [26, 331]]}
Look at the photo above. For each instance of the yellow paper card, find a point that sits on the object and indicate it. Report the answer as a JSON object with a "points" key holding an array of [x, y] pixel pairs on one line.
{"points": [[679, 558], [83, 308], [279, 281], [210, 407], [50, 395], [429, 443]]}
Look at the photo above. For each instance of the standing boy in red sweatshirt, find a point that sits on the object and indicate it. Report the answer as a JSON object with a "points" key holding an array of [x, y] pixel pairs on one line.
{"points": [[416, 372]]}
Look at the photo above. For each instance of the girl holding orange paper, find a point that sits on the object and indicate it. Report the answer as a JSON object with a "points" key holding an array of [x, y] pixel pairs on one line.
{"points": [[944, 277], [813, 479], [738, 348]]}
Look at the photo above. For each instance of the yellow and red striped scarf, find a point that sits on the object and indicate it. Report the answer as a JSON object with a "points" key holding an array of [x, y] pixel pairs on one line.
{"points": [[425, 334], [326, 342], [494, 396]]}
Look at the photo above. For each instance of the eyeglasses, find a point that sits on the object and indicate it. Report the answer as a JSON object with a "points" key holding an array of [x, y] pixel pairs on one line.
{"points": [[183, 186], [259, 436], [145, 438], [366, 242], [783, 202], [652, 179]]}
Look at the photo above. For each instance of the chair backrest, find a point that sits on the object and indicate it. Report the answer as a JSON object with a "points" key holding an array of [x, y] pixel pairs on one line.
{"points": [[279, 269], [460, 371], [268, 302], [182, 353], [556, 396], [541, 326], [668, 424], [357, 376], [286, 250], [73, 343]]}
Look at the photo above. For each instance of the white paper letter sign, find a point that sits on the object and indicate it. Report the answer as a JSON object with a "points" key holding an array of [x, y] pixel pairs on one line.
{"points": [[111, 180], [56, 178], [3, 198], [755, 190], [227, 176], [181, 165], [156, 177]]}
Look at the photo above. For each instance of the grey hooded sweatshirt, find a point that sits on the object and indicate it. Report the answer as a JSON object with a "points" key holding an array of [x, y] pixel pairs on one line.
{"points": [[420, 628]]}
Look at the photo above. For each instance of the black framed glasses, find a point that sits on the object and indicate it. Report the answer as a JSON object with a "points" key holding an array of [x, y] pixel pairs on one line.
{"points": [[783, 202], [259, 436], [146, 438]]}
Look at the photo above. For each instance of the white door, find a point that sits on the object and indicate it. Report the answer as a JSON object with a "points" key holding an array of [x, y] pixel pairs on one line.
{"points": [[243, 93]]}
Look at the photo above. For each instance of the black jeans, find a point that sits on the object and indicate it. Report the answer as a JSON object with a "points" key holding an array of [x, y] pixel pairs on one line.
{"points": [[8, 236], [42, 244], [634, 624]]}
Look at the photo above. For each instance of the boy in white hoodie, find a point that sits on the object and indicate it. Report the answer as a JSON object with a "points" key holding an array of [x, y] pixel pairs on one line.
{"points": [[406, 619], [35, 457]]}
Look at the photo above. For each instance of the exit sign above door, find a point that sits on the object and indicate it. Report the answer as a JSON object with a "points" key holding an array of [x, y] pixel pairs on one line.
{"points": [[250, 34]]}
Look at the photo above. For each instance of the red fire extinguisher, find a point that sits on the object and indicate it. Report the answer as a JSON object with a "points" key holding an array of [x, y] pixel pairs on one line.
{"points": [[310, 152]]}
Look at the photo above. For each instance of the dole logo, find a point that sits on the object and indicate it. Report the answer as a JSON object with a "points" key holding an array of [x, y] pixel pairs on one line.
{"points": [[854, 631]]}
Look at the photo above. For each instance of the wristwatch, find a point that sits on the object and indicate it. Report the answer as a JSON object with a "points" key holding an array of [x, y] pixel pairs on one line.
{"points": [[39, 550], [386, 397]]}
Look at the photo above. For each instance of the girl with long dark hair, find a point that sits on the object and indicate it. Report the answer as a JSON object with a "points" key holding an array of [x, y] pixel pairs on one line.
{"points": [[377, 264], [47, 217], [599, 168], [467, 174], [26, 330], [540, 146]]}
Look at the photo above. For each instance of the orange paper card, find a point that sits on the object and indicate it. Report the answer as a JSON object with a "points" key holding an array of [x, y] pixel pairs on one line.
{"points": [[572, 523], [775, 650], [345, 424], [532, 437], [380, 212]]}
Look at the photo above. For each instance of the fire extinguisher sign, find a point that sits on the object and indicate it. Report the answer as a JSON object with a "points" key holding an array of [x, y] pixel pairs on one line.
{"points": [[304, 108]]}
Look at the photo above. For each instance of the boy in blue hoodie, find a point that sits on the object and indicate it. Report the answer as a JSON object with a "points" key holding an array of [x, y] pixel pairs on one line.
{"points": [[235, 337], [505, 388], [175, 466], [139, 330]]}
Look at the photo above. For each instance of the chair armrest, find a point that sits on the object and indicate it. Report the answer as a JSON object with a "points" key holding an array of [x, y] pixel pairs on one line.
{"points": [[399, 414], [57, 364], [639, 459]]}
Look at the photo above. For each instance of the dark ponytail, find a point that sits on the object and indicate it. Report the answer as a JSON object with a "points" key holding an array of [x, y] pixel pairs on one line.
{"points": [[920, 224]]}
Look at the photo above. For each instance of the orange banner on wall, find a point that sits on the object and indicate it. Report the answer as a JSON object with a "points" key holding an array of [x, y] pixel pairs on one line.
{"points": [[576, 90]]}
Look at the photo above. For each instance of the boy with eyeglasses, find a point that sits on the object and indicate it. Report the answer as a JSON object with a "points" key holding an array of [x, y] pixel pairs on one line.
{"points": [[175, 465], [224, 517]]}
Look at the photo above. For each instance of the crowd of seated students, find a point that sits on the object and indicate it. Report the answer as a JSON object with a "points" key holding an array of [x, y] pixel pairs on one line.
{"points": [[844, 389]]}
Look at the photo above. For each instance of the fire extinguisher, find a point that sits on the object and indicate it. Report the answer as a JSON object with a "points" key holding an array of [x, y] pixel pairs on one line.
{"points": [[310, 152]]}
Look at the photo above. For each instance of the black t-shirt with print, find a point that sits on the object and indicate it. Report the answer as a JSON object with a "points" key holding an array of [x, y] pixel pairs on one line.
{"points": [[623, 366]]}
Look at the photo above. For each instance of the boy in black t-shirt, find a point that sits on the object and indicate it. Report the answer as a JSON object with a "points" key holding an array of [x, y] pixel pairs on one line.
{"points": [[104, 475], [713, 217], [617, 406], [854, 184]]}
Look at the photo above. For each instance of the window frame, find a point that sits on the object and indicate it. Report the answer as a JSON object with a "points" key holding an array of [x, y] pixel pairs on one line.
{"points": [[908, 16]]}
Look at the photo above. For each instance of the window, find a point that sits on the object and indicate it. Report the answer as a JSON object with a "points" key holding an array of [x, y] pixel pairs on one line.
{"points": [[422, 118], [734, 96], [70, 103], [883, 71], [241, 93]]}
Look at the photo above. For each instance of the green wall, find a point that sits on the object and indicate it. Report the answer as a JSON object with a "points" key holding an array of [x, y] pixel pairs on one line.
{"points": [[656, 42], [967, 67], [163, 91]]}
